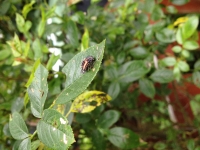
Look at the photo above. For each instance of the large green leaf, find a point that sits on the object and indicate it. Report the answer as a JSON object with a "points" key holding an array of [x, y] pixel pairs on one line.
{"points": [[132, 71], [74, 75], [162, 76], [54, 131], [108, 118], [147, 87], [17, 126], [190, 26], [37, 91], [25, 144], [123, 138]]}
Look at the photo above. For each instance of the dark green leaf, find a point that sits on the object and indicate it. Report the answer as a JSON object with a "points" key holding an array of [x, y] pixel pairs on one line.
{"points": [[147, 87], [197, 65], [98, 140], [139, 52], [4, 6], [25, 144], [54, 131], [183, 66], [37, 91], [114, 89], [74, 75], [157, 13], [162, 76], [123, 138], [83, 118], [166, 35], [196, 78], [190, 45], [121, 57], [17, 126], [108, 118], [132, 71]]}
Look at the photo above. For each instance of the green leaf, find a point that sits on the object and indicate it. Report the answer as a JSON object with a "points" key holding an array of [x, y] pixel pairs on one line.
{"points": [[114, 89], [179, 2], [177, 73], [162, 76], [176, 49], [179, 37], [132, 71], [27, 25], [15, 45], [27, 8], [197, 65], [169, 61], [83, 118], [190, 45], [98, 140], [20, 22], [121, 57], [72, 33], [190, 144], [157, 13], [147, 87], [17, 126], [139, 52], [160, 146], [4, 54], [41, 27], [166, 35], [183, 66], [4, 7], [196, 78], [190, 26], [37, 49], [54, 131], [123, 138], [25, 144], [53, 59], [37, 91], [74, 75], [185, 53], [171, 9], [17, 105], [108, 118], [85, 40], [35, 145]]}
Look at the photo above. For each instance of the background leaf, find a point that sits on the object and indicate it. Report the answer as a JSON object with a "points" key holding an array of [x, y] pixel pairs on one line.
{"points": [[17, 126], [162, 76], [37, 91], [147, 87], [25, 144]]}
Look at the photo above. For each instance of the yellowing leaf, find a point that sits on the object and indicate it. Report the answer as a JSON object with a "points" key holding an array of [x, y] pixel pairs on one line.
{"points": [[180, 20], [88, 101]]}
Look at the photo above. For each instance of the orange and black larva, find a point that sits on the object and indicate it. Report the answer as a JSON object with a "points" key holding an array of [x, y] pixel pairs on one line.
{"points": [[87, 64]]}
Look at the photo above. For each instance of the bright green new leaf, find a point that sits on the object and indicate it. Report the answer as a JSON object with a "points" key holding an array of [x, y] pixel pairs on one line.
{"points": [[162, 76], [190, 26], [53, 130], [123, 138], [132, 71], [190, 45], [176, 49], [20, 22], [183, 66], [17, 126], [15, 45], [53, 59], [88, 101], [169, 61], [37, 91], [185, 53], [27, 25], [27, 8], [108, 118], [25, 144], [75, 76], [179, 37], [85, 40], [41, 27], [147, 87], [114, 89]]}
